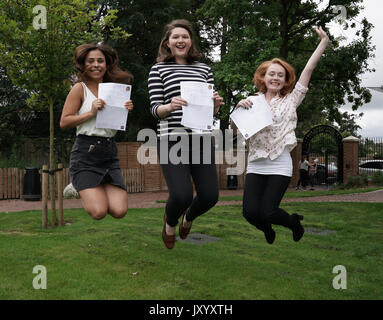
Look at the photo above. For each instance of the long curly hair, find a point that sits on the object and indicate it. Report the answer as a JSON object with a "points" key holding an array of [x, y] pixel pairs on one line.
{"points": [[113, 72]]}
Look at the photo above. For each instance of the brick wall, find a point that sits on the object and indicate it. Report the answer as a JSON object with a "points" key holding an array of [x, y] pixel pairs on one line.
{"points": [[227, 163], [350, 157]]}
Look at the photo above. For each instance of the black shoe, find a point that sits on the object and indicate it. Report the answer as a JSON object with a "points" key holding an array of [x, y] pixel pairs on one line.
{"points": [[269, 235], [296, 227]]}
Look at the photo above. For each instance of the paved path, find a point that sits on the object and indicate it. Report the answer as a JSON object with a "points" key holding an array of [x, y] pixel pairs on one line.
{"points": [[373, 196], [148, 200]]}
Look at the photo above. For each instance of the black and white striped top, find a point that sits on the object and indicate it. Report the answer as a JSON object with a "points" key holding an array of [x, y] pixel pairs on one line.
{"points": [[164, 84]]}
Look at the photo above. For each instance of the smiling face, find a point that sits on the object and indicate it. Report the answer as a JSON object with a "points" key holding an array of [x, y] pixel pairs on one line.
{"points": [[275, 78], [95, 65], [179, 44]]}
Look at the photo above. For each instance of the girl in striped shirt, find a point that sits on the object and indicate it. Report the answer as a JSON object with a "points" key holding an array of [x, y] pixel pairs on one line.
{"points": [[178, 61]]}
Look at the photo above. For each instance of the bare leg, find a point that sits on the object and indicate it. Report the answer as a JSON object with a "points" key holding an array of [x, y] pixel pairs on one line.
{"points": [[95, 202], [104, 199], [117, 201], [170, 230]]}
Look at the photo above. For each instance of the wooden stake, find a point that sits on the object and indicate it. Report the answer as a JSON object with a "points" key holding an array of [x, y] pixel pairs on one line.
{"points": [[52, 191], [60, 194], [45, 196]]}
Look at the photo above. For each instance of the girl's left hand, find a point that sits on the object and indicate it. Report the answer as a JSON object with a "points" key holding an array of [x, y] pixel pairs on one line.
{"points": [[218, 100], [322, 34], [129, 105]]}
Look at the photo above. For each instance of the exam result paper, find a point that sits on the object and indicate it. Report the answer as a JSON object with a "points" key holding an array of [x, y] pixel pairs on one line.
{"points": [[250, 121], [114, 115], [199, 113]]}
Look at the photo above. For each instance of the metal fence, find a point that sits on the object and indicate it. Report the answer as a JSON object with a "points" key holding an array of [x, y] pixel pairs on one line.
{"points": [[370, 155]]}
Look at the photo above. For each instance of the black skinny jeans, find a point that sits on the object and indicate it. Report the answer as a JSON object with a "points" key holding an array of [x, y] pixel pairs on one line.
{"points": [[261, 199], [303, 178], [180, 188]]}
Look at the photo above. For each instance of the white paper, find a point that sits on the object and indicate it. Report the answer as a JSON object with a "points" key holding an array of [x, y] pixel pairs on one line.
{"points": [[250, 121], [112, 118], [199, 113], [114, 115]]}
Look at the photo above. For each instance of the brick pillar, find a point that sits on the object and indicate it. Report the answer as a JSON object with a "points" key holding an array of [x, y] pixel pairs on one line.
{"points": [[296, 154], [350, 157]]}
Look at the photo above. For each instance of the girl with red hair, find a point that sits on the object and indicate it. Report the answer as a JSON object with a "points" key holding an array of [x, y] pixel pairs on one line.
{"points": [[270, 166]]}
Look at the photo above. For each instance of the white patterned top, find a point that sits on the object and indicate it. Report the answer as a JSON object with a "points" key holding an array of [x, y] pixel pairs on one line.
{"points": [[273, 139]]}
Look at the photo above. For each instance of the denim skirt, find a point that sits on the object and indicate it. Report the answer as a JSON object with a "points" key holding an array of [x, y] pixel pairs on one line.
{"points": [[94, 161]]}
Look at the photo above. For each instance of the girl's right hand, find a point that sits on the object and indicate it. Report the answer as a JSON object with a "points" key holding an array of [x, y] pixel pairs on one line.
{"points": [[245, 103], [97, 104], [177, 103]]}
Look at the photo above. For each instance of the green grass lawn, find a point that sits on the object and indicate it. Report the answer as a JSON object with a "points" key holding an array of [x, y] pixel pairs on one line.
{"points": [[126, 259]]}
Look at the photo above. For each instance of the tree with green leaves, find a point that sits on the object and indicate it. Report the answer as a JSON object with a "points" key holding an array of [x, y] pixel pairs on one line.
{"points": [[37, 41], [249, 31], [145, 21], [12, 106]]}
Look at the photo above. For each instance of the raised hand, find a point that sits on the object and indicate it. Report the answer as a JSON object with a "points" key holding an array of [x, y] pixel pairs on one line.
{"points": [[322, 34], [305, 77]]}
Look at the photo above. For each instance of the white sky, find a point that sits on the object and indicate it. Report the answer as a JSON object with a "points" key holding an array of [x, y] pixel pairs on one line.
{"points": [[372, 120]]}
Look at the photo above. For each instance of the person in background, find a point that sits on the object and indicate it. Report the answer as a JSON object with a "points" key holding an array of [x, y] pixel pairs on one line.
{"points": [[303, 173], [312, 172]]}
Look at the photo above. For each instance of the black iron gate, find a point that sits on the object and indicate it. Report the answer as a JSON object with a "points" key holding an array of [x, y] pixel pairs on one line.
{"points": [[323, 145]]}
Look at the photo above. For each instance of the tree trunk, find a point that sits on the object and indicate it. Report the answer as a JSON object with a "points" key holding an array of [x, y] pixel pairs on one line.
{"points": [[52, 163], [224, 121], [284, 50]]}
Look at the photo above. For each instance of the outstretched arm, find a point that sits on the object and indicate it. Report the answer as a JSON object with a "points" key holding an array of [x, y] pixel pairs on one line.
{"points": [[304, 79]]}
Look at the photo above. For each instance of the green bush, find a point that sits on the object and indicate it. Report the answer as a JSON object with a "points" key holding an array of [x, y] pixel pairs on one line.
{"points": [[359, 181], [14, 159], [377, 178]]}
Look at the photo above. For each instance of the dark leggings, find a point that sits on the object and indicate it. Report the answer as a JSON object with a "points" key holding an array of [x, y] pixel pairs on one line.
{"points": [[178, 179], [303, 178], [261, 199]]}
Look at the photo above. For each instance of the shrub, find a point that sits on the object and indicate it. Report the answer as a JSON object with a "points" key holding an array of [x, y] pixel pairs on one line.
{"points": [[377, 178], [358, 181]]}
